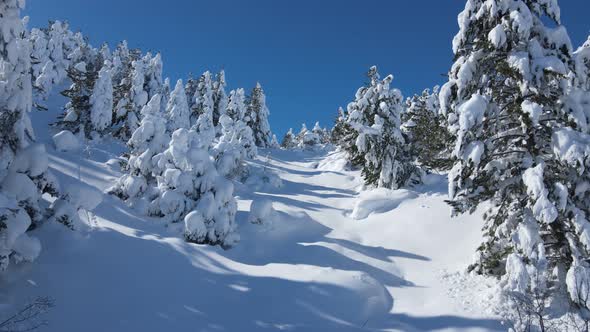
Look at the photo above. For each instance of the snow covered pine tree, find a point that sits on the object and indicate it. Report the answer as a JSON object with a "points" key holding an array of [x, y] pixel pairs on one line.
{"points": [[23, 164], [258, 117], [514, 144], [425, 128], [376, 142]]}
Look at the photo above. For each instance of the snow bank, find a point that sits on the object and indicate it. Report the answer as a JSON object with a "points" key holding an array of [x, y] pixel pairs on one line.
{"points": [[66, 141], [261, 212], [379, 200], [83, 196], [336, 162]]}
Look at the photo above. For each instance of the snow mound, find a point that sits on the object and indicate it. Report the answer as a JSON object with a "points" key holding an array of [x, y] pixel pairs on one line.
{"points": [[335, 162], [261, 212], [83, 196], [379, 200], [66, 141]]}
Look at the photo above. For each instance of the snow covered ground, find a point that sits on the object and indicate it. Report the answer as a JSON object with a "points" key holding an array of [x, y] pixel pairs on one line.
{"points": [[313, 268]]}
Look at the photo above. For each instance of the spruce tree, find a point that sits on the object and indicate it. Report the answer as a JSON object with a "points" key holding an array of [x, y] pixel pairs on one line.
{"points": [[202, 111], [375, 142], [177, 111], [77, 117], [101, 100], [289, 140], [258, 117], [425, 128], [340, 130], [127, 92], [236, 111], [148, 140], [24, 173], [504, 106], [219, 97]]}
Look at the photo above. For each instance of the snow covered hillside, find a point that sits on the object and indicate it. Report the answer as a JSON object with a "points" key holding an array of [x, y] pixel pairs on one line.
{"points": [[312, 267]]}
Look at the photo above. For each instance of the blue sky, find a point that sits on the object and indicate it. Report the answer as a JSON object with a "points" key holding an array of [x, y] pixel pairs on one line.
{"points": [[309, 55]]}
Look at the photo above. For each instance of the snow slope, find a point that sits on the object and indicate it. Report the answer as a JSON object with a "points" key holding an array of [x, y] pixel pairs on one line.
{"points": [[314, 268]]}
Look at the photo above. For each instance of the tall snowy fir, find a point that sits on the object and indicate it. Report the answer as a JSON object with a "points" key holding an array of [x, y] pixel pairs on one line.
{"points": [[236, 111], [425, 128], [219, 97], [79, 116], [177, 111], [258, 117], [340, 130], [379, 147], [148, 140], [101, 100], [128, 95], [202, 109], [289, 140], [23, 164], [515, 146]]}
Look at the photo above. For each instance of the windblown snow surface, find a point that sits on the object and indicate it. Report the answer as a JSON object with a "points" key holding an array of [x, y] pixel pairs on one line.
{"points": [[396, 267]]}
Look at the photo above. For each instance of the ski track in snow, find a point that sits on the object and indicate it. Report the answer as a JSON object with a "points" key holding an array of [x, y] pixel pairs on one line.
{"points": [[312, 269]]}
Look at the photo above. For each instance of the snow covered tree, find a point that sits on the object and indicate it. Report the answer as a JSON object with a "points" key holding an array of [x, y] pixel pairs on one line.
{"points": [[154, 82], [289, 140], [148, 140], [191, 190], [426, 131], [514, 145], [78, 116], [23, 164], [202, 111], [177, 111], [101, 100], [219, 97], [228, 152], [340, 130], [309, 139], [376, 143], [258, 117], [236, 111], [582, 65], [128, 92], [43, 69], [322, 133]]}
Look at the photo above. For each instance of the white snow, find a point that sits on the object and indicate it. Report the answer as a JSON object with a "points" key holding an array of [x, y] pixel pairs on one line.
{"points": [[261, 212], [534, 111], [66, 141], [543, 209], [379, 200], [497, 36], [316, 270], [471, 113]]}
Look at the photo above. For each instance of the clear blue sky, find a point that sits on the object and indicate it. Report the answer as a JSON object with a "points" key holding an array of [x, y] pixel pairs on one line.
{"points": [[309, 55]]}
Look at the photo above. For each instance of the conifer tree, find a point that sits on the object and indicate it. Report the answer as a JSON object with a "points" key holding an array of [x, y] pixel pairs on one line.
{"points": [[127, 92], [78, 111], [101, 100], [24, 173], [236, 111], [376, 143], [425, 128], [219, 97], [258, 117], [504, 105], [191, 190], [148, 140], [177, 111], [202, 111], [340, 130], [289, 140]]}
